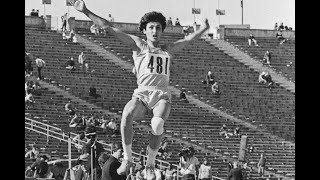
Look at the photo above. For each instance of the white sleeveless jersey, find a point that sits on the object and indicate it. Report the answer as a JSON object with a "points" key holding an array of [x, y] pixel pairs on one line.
{"points": [[152, 66]]}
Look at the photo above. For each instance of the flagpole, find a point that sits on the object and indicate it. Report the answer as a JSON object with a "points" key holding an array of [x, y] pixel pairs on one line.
{"points": [[242, 11], [218, 14], [194, 14]]}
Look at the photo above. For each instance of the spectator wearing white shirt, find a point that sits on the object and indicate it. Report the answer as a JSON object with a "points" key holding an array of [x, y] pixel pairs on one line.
{"points": [[81, 60], [29, 98], [205, 171], [40, 64]]}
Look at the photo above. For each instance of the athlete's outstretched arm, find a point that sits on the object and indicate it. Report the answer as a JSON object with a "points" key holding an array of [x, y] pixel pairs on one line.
{"points": [[132, 41], [178, 45]]}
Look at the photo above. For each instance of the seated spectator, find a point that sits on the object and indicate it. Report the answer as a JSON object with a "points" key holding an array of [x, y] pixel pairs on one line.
{"points": [[87, 68], [236, 132], [69, 107], [265, 78], [177, 23], [70, 35], [29, 98], [224, 131], [71, 64], [64, 35], [215, 88], [252, 39], [36, 89], [33, 153], [266, 58], [94, 29], [112, 125], [281, 27], [36, 13], [40, 166], [81, 170], [183, 96], [74, 39], [186, 30], [280, 37], [93, 92], [286, 28], [275, 26], [32, 13]]}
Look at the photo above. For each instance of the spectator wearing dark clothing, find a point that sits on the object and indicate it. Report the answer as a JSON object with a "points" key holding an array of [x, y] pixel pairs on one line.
{"points": [[235, 173], [265, 78], [177, 23], [71, 64], [93, 92], [36, 13], [280, 37], [281, 27], [210, 78], [169, 22], [32, 13], [109, 169], [40, 166], [183, 96], [267, 57], [90, 133], [252, 39]]}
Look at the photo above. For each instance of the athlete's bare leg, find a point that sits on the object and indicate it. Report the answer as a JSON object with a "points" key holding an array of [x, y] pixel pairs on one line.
{"points": [[160, 112], [133, 110]]}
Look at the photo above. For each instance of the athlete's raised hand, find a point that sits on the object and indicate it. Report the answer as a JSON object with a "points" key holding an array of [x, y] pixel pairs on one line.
{"points": [[78, 5]]}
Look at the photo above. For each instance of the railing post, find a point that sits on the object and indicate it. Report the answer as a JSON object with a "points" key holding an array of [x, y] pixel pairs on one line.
{"points": [[47, 133], [69, 150]]}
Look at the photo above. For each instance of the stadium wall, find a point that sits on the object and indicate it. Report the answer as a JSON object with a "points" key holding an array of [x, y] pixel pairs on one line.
{"points": [[35, 21], [125, 26], [224, 32]]}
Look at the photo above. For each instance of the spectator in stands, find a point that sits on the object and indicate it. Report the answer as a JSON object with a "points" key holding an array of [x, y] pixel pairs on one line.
{"points": [[267, 57], [183, 96], [236, 132], [177, 23], [235, 173], [36, 13], [33, 153], [40, 166], [169, 22], [40, 64], [91, 134], [224, 131], [93, 92], [94, 29], [170, 173], [265, 78], [158, 174], [261, 165], [64, 19], [69, 107], [189, 164], [71, 64], [210, 78], [163, 150], [281, 27], [29, 100], [246, 166], [215, 88], [275, 26], [286, 28], [252, 39], [114, 127], [110, 18], [28, 63], [103, 158], [81, 170], [70, 35], [32, 13], [186, 30], [205, 170], [109, 170], [81, 60], [230, 166], [280, 37], [36, 89], [87, 68]]}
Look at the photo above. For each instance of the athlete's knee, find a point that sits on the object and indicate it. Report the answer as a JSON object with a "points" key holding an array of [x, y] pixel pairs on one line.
{"points": [[157, 126]]}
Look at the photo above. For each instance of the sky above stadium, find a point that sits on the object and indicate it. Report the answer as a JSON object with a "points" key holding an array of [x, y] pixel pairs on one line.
{"points": [[260, 14]]}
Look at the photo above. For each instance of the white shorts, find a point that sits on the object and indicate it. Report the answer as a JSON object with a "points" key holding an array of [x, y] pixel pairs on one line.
{"points": [[151, 95]]}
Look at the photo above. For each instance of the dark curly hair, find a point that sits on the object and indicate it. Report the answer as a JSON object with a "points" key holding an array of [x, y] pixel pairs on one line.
{"points": [[152, 17]]}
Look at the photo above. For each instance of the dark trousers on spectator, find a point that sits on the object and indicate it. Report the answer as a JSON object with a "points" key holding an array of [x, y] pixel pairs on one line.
{"points": [[39, 73], [188, 177]]}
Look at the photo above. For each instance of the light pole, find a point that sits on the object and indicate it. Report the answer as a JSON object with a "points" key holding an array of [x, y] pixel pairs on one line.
{"points": [[218, 14], [241, 11]]}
